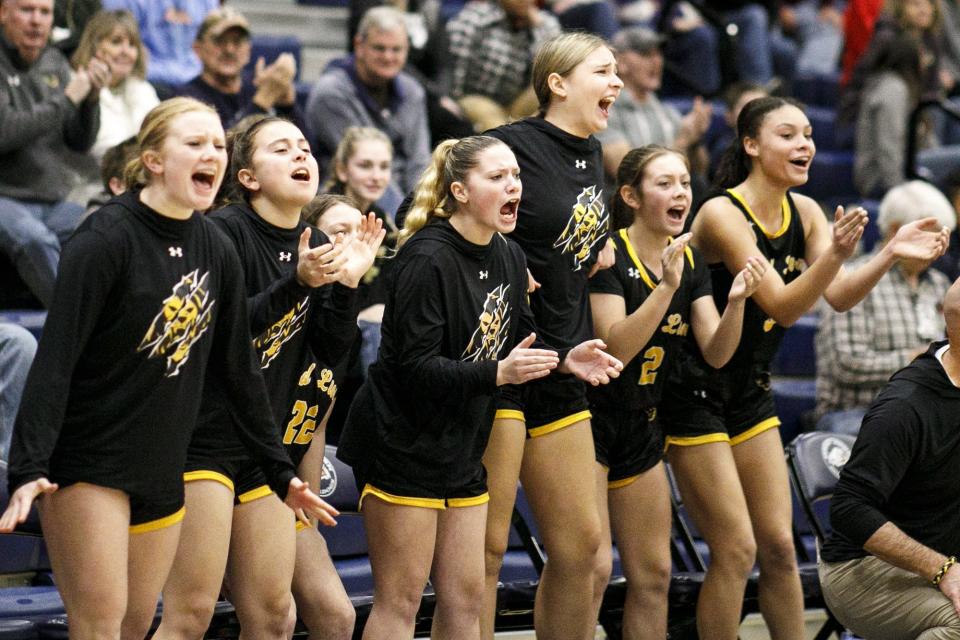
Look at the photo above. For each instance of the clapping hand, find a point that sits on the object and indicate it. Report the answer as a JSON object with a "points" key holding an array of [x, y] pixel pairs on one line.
{"points": [[748, 279], [321, 265], [589, 362], [361, 251], [524, 364]]}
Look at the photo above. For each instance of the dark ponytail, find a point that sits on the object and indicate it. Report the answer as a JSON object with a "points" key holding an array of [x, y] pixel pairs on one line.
{"points": [[735, 165]]}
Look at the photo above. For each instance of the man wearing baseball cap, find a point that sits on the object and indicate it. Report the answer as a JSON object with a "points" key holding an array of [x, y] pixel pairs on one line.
{"points": [[223, 46]]}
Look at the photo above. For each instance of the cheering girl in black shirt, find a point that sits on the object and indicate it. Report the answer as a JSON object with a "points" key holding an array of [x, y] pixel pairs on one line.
{"points": [[544, 436], [456, 327], [303, 314], [722, 426], [149, 305]]}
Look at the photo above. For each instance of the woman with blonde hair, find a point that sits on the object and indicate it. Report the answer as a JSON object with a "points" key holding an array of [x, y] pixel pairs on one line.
{"points": [[114, 38], [542, 433], [456, 327], [149, 301]]}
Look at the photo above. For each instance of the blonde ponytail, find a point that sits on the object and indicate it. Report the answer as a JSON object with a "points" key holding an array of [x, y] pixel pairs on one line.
{"points": [[430, 194], [451, 161]]}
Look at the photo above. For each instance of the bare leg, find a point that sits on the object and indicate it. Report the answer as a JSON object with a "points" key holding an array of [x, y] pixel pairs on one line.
{"points": [[260, 567], [604, 558], [502, 460], [151, 556], [640, 516], [86, 529], [458, 572], [711, 491], [569, 521], [318, 592], [401, 541], [763, 474], [193, 586]]}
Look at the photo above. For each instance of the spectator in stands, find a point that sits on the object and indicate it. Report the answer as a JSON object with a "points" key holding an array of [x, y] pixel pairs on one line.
{"points": [[817, 28], [759, 55], [361, 171], [889, 568], [492, 44], [44, 109], [858, 350], [113, 38], [17, 348], [223, 46], [890, 91], [112, 165], [428, 60], [370, 88], [949, 263], [639, 117], [70, 18], [718, 139], [169, 28], [692, 47], [916, 19]]}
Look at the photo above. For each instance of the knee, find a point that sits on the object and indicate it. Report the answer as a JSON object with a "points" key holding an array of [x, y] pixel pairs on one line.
{"points": [[777, 552], [336, 621], [191, 618], [463, 600], [738, 554], [493, 555], [652, 581], [402, 600], [270, 617], [577, 548], [603, 567]]}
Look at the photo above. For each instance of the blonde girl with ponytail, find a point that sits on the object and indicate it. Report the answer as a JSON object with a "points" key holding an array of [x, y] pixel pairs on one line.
{"points": [[456, 327]]}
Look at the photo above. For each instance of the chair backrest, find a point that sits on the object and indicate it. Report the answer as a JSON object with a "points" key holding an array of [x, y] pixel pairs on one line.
{"points": [[338, 487], [337, 484], [815, 460]]}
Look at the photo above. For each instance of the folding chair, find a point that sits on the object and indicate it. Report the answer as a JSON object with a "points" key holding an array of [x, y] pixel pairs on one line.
{"points": [[814, 461]]}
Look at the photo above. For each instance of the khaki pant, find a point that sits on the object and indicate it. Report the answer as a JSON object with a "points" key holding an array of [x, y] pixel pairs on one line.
{"points": [[485, 113], [878, 601]]}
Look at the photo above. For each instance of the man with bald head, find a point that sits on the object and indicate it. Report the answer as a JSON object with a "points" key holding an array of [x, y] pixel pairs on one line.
{"points": [[889, 568]]}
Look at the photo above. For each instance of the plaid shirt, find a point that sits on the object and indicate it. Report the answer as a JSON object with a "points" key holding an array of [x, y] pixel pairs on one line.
{"points": [[858, 350], [489, 57]]}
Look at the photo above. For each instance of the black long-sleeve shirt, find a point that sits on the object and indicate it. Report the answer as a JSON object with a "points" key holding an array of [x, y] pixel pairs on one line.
{"points": [[145, 309], [562, 225], [453, 310], [903, 468], [296, 330]]}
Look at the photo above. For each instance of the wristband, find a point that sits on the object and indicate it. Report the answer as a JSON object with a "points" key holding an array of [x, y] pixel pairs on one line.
{"points": [[952, 560]]}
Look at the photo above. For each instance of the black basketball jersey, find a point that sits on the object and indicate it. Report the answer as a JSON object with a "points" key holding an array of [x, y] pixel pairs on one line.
{"points": [[642, 380], [784, 248]]}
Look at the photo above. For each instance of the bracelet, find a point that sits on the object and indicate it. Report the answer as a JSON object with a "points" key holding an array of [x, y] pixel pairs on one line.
{"points": [[952, 560]]}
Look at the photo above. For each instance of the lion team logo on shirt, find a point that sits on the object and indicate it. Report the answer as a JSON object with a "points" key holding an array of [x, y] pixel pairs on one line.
{"points": [[269, 343], [587, 224], [494, 322], [184, 318]]}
